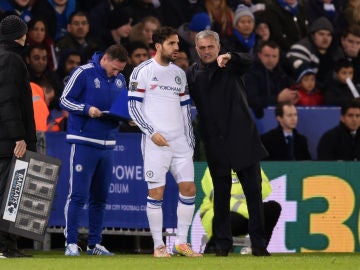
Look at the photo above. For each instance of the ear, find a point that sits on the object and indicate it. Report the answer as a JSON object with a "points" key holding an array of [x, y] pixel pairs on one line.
{"points": [[157, 46]]}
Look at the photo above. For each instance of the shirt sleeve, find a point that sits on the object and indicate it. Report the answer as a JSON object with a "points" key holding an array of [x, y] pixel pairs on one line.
{"points": [[185, 103], [74, 88], [137, 89]]}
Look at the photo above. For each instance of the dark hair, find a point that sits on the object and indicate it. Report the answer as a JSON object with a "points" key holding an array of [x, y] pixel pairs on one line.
{"points": [[269, 43], [279, 109], [352, 29], [64, 55], [33, 47], [132, 46], [342, 63], [354, 103], [34, 20], [163, 33], [77, 13], [117, 52]]}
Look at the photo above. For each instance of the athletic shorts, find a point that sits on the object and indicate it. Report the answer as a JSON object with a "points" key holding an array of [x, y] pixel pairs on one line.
{"points": [[158, 160]]}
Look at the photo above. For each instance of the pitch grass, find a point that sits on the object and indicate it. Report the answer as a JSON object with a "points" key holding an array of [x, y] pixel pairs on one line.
{"points": [[55, 260]]}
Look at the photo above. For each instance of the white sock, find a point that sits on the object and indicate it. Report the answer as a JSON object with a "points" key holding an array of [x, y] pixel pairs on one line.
{"points": [[185, 213], [155, 218]]}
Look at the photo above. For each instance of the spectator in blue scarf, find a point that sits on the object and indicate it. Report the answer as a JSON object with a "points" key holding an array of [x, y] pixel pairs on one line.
{"points": [[244, 37]]}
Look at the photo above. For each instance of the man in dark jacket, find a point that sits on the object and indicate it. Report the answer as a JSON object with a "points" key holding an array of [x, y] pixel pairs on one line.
{"points": [[318, 50], [227, 129], [343, 141], [284, 142], [266, 81], [17, 132]]}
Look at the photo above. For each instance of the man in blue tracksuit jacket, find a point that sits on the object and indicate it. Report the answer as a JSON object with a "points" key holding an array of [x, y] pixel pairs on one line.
{"points": [[91, 89]]}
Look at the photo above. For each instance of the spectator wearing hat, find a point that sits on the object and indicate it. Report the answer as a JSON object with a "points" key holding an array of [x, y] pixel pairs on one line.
{"points": [[308, 93], [187, 32], [287, 20], [244, 38], [333, 10], [317, 51], [17, 132]]}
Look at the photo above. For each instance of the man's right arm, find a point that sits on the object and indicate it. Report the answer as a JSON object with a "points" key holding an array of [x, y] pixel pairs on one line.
{"points": [[241, 62], [69, 99], [137, 88]]}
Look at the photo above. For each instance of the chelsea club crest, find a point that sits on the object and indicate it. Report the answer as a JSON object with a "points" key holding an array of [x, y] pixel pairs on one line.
{"points": [[177, 80]]}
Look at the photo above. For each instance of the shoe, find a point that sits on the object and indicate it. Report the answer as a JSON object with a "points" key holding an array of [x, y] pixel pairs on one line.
{"points": [[98, 250], [15, 253], [3, 255], [221, 252], [185, 250], [72, 250], [209, 248], [161, 252], [260, 251], [246, 251]]}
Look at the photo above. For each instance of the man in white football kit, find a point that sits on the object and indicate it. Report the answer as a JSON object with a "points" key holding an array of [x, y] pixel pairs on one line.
{"points": [[160, 105]]}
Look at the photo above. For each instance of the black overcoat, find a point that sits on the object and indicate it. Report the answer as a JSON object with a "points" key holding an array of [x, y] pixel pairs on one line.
{"points": [[227, 128], [16, 106]]}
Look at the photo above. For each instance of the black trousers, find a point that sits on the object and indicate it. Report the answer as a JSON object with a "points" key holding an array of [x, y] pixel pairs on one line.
{"points": [[240, 224], [7, 240], [250, 179]]}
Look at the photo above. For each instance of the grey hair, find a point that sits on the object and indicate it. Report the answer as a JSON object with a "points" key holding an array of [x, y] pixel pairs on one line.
{"points": [[207, 33]]}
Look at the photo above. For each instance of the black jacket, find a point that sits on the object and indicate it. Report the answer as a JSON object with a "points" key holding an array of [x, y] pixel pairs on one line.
{"points": [[227, 128], [286, 28], [338, 144], [263, 86], [275, 143], [16, 107]]}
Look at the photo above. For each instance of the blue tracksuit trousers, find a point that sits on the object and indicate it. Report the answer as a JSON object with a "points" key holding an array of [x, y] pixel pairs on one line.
{"points": [[90, 175]]}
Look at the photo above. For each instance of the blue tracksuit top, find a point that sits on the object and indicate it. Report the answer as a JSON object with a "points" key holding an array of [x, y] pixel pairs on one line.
{"points": [[89, 86]]}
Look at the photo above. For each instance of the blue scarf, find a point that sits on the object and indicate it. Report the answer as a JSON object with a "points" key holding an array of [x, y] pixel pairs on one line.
{"points": [[248, 43], [292, 9]]}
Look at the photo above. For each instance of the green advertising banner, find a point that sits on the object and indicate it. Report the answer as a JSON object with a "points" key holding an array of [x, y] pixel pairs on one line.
{"points": [[320, 206]]}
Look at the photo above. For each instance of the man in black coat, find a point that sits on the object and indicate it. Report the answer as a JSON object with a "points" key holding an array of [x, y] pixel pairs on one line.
{"points": [[343, 141], [266, 81], [230, 137], [284, 142], [17, 133]]}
